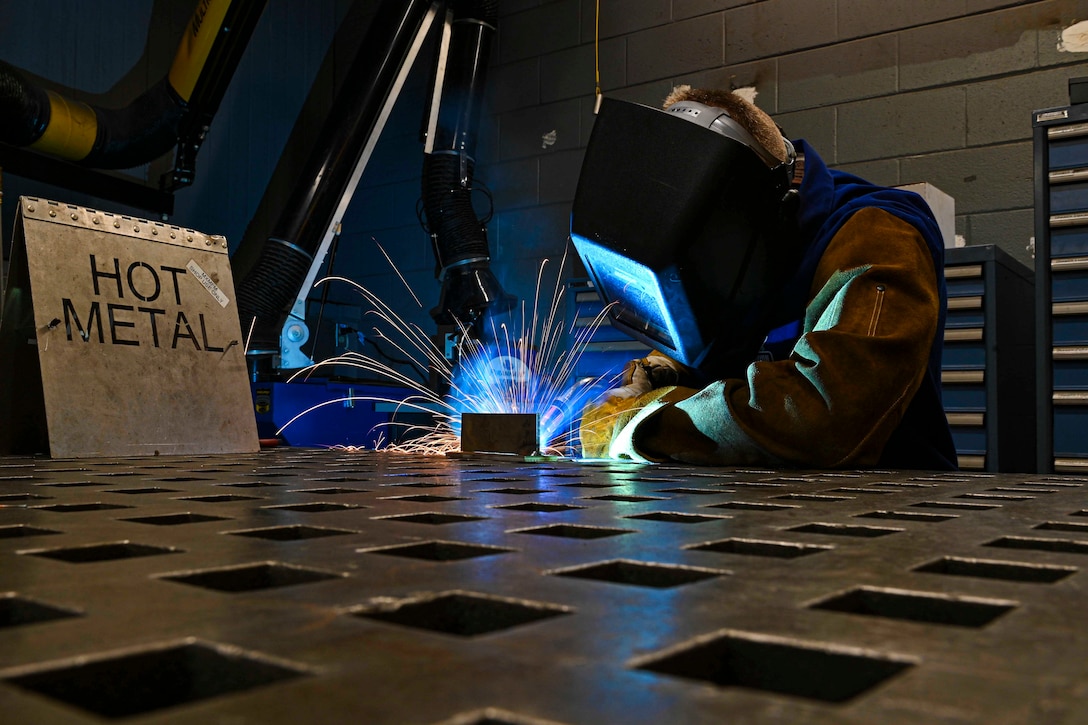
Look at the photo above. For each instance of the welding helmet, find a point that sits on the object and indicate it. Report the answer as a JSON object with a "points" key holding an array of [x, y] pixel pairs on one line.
{"points": [[682, 220]]}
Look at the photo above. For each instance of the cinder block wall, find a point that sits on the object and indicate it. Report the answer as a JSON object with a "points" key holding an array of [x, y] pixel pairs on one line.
{"points": [[898, 91]]}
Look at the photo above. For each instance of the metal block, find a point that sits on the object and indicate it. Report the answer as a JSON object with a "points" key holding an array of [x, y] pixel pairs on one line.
{"points": [[512, 433]]}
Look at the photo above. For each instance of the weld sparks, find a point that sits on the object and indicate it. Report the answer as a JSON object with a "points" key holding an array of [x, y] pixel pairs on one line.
{"points": [[524, 365]]}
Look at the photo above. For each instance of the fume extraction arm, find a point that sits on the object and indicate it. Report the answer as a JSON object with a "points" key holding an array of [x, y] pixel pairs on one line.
{"points": [[272, 295]]}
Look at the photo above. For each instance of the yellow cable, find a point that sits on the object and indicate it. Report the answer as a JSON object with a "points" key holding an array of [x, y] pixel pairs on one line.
{"points": [[597, 60]]}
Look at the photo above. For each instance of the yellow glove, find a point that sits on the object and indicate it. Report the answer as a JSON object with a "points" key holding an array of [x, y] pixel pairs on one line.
{"points": [[607, 429]]}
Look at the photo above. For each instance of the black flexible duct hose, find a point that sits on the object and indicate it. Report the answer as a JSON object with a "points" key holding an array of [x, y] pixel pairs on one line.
{"points": [[458, 235], [24, 108], [459, 238]]}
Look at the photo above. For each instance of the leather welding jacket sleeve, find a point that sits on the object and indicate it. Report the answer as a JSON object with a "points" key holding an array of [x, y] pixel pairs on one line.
{"points": [[869, 324]]}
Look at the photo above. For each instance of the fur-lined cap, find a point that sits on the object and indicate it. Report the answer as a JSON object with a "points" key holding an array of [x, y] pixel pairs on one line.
{"points": [[753, 119]]}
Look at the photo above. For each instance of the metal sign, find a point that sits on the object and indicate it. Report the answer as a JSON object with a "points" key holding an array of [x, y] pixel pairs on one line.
{"points": [[120, 336]]}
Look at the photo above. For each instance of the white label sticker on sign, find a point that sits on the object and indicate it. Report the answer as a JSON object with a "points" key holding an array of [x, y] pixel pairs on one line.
{"points": [[209, 284]]}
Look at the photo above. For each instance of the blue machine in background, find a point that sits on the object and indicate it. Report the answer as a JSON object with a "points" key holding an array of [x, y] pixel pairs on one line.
{"points": [[350, 414]]}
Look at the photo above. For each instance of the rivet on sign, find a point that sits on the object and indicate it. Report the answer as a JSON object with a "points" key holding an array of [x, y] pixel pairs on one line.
{"points": [[154, 232], [96, 220], [52, 213], [30, 207], [75, 216], [135, 229], [117, 225]]}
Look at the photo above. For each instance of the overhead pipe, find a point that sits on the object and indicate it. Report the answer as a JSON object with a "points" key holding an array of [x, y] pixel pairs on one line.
{"points": [[47, 122]]}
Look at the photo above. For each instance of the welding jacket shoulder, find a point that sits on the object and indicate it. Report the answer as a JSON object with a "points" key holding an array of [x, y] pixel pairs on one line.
{"points": [[872, 314]]}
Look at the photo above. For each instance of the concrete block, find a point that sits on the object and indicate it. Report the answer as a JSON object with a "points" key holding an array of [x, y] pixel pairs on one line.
{"points": [[775, 27], [513, 184], [838, 73], [691, 8], [901, 125], [538, 31], [761, 75], [669, 50], [884, 172], [513, 85], [1050, 19], [860, 18], [569, 73], [1011, 230], [816, 126], [559, 176], [1000, 110], [388, 205], [512, 7], [943, 207], [533, 233], [623, 17], [551, 127], [993, 178], [979, 46]]}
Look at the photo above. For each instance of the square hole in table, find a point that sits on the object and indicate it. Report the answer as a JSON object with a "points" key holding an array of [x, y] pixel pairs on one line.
{"points": [[1063, 546], [511, 491], [844, 530], [1063, 526], [811, 670], [760, 547], [676, 517], [908, 516], [640, 574], [752, 506], [19, 531], [424, 498], [219, 498], [438, 550], [296, 532], [538, 507], [573, 531], [994, 569], [626, 498], [175, 519], [13, 497], [152, 679], [464, 614], [315, 507], [144, 490], [332, 491], [927, 607], [67, 508], [250, 577], [16, 611], [110, 551], [435, 518]]}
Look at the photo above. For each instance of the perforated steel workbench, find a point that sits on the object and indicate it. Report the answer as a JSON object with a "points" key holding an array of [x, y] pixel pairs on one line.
{"points": [[324, 586]]}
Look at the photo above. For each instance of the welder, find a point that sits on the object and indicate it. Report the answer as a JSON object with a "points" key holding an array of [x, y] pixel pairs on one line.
{"points": [[795, 312]]}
